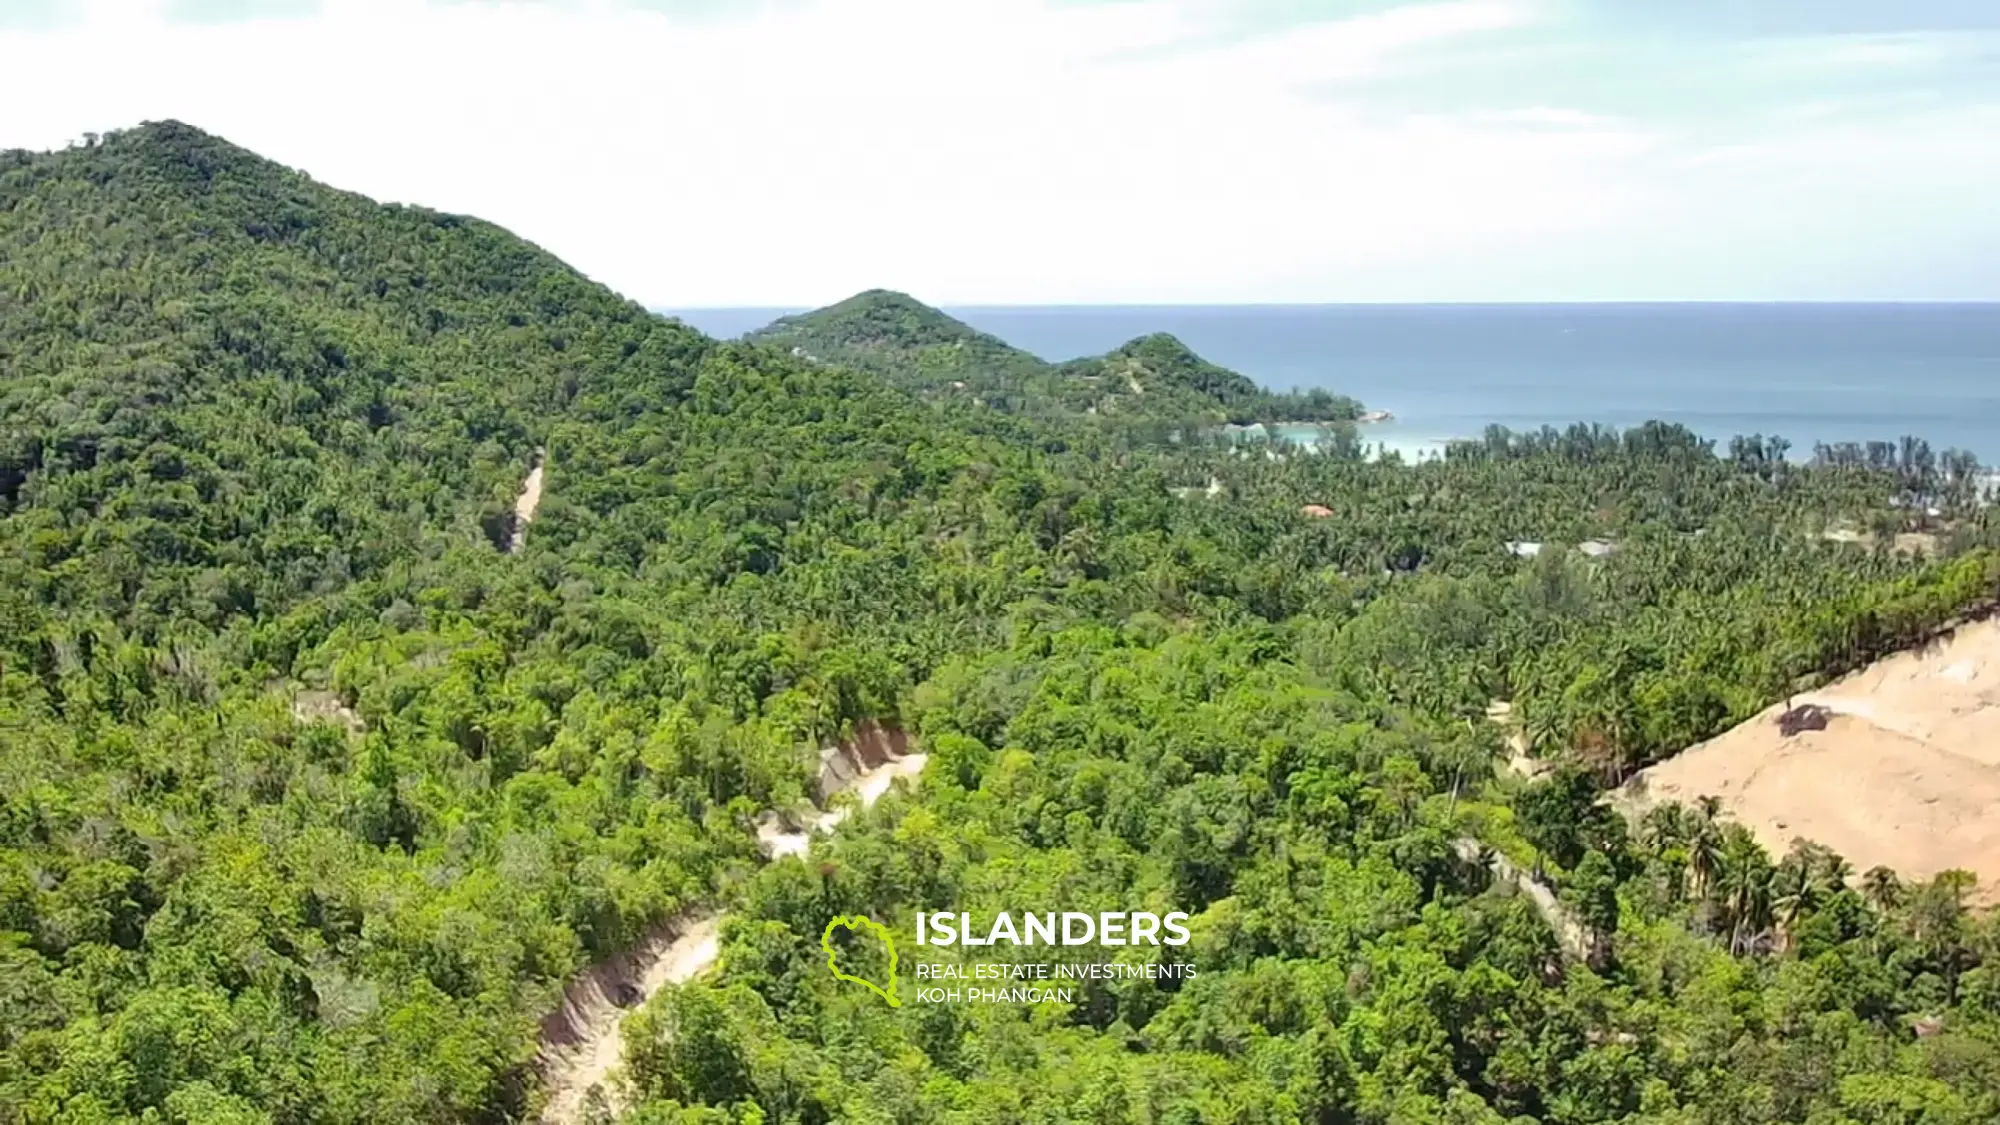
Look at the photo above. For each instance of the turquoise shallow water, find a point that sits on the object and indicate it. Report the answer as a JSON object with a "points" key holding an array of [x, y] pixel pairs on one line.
{"points": [[1808, 372]]}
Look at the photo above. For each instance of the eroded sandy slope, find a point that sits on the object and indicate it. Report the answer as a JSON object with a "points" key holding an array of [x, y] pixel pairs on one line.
{"points": [[582, 1046], [1906, 773]]}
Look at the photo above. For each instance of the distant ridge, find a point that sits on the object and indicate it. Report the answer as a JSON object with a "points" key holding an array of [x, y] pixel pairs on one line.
{"points": [[925, 350], [900, 337]]}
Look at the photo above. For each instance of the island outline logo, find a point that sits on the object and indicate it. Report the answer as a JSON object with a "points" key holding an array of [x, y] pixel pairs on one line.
{"points": [[856, 922]]}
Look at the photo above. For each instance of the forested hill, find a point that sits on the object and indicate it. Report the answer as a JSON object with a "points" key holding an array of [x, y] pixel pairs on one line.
{"points": [[899, 336], [1158, 374], [312, 797], [228, 385], [1154, 378]]}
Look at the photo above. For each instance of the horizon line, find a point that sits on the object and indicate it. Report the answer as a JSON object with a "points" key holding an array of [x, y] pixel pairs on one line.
{"points": [[1953, 302]]}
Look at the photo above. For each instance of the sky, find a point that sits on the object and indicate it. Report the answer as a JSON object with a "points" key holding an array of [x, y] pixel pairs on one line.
{"points": [[709, 153]]}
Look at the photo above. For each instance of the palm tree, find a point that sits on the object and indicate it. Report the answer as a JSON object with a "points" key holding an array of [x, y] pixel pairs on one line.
{"points": [[1937, 921], [1403, 786], [1791, 898], [1704, 842], [1882, 889], [1832, 874], [1460, 754], [1664, 827], [1809, 875], [1744, 879], [1541, 731]]}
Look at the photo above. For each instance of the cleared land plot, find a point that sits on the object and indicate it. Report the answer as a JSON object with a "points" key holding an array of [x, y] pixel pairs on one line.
{"points": [[1905, 774]]}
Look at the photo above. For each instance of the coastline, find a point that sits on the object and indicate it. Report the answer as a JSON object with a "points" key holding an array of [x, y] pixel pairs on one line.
{"points": [[1385, 434]]}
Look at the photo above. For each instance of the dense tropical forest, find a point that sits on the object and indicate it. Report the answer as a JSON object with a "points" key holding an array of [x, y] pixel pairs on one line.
{"points": [[1154, 378], [314, 791]]}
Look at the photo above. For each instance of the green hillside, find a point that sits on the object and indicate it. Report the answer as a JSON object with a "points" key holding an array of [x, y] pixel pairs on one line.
{"points": [[314, 793], [1158, 374], [228, 386], [1154, 378], [901, 338]]}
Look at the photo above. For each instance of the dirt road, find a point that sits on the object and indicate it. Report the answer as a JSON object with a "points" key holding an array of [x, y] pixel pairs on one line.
{"points": [[525, 505], [582, 1044], [1570, 933]]}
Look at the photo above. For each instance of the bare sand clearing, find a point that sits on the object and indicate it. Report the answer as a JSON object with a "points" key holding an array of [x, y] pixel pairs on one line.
{"points": [[320, 706], [581, 1041], [1519, 759], [529, 500], [1906, 773], [1907, 542]]}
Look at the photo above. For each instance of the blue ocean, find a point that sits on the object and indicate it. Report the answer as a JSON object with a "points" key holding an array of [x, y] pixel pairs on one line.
{"points": [[1811, 373]]}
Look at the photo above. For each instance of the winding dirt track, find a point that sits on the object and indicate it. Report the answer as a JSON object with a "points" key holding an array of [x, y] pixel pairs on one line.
{"points": [[581, 1041], [1570, 934], [529, 500], [581, 1044]]}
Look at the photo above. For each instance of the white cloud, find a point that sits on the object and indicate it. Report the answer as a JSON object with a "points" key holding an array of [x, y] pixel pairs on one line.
{"points": [[971, 151], [1881, 51], [1541, 115]]}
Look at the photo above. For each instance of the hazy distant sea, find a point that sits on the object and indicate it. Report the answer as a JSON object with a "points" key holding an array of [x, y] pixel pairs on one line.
{"points": [[1808, 372]]}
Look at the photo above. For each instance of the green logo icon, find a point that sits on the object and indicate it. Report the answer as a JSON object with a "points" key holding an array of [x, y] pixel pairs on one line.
{"points": [[888, 941]]}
